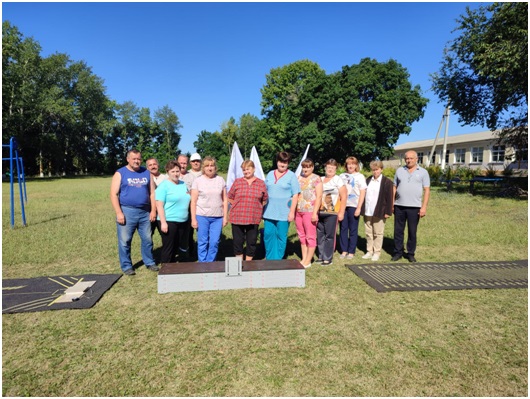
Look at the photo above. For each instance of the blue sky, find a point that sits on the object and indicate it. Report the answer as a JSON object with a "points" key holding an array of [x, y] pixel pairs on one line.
{"points": [[208, 61]]}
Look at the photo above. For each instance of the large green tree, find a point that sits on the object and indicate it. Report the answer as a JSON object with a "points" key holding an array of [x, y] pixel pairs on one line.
{"points": [[484, 72], [56, 108], [361, 110], [368, 107], [63, 121], [280, 99], [21, 62]]}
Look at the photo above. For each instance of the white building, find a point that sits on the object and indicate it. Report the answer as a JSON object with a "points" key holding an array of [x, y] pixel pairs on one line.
{"points": [[474, 150]]}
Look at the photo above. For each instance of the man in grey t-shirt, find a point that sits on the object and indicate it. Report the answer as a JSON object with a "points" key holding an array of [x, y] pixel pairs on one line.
{"points": [[410, 183]]}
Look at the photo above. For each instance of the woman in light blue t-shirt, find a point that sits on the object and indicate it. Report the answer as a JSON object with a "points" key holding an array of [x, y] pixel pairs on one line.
{"points": [[283, 188], [172, 202]]}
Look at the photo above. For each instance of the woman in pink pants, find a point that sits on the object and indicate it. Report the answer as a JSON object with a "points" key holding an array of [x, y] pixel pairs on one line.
{"points": [[306, 218]]}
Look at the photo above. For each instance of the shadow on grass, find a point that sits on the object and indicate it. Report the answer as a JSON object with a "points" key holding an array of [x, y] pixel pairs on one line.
{"points": [[48, 220], [388, 245]]}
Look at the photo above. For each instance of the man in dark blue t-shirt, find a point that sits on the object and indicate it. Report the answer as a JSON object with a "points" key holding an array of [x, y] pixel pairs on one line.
{"points": [[132, 194]]}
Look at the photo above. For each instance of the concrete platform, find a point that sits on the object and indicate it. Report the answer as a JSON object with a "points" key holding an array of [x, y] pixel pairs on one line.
{"points": [[181, 277]]}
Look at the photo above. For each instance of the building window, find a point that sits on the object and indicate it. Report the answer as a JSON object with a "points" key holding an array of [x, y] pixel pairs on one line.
{"points": [[447, 157], [477, 154], [497, 153], [420, 158], [460, 155], [433, 157]]}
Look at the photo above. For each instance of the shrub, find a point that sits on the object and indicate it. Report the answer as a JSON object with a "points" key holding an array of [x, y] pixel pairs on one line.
{"points": [[449, 173], [491, 171], [435, 173], [389, 172], [466, 173]]}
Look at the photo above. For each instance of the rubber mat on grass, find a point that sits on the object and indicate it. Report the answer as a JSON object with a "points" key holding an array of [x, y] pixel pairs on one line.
{"points": [[42, 293], [443, 276]]}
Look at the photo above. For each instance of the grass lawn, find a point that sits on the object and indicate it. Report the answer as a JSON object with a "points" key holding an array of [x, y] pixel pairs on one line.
{"points": [[335, 337]]}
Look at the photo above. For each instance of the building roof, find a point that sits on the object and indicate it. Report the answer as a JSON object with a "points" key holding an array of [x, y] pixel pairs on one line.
{"points": [[461, 138]]}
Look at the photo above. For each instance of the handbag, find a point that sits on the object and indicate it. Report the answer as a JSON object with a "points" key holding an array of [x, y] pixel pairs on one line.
{"points": [[327, 205]]}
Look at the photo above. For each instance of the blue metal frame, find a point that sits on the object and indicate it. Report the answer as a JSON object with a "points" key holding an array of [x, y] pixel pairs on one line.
{"points": [[19, 168]]}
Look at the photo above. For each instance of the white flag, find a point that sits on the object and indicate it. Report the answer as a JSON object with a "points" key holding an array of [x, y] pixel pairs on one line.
{"points": [[299, 169], [234, 167], [255, 158]]}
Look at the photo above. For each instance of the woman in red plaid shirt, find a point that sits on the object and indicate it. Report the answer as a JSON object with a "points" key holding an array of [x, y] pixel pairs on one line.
{"points": [[247, 196]]}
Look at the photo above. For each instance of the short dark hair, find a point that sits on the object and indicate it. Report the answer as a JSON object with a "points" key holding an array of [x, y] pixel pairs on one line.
{"points": [[284, 156], [172, 165], [132, 151], [308, 163]]}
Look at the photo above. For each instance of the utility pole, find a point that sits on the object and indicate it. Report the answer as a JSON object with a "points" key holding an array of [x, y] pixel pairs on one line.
{"points": [[446, 114], [445, 118]]}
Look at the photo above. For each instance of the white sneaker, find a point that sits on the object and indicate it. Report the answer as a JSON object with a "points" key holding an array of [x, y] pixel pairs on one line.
{"points": [[307, 266], [375, 258], [367, 255]]}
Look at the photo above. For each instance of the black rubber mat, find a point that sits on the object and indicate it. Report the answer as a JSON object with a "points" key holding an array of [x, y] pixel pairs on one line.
{"points": [[443, 276], [40, 293]]}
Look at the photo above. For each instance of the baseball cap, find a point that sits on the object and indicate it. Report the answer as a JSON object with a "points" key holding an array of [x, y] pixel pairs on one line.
{"points": [[195, 157]]}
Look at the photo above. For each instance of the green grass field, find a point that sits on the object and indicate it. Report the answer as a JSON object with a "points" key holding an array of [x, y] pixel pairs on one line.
{"points": [[335, 337]]}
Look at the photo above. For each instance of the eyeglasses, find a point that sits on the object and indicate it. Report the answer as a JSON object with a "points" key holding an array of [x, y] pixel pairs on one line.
{"points": [[195, 160]]}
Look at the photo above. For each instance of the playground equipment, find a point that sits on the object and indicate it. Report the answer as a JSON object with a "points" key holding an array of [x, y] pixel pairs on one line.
{"points": [[16, 165]]}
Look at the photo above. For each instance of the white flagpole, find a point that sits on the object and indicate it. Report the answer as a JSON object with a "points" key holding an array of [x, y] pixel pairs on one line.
{"points": [[299, 169], [255, 158], [234, 167]]}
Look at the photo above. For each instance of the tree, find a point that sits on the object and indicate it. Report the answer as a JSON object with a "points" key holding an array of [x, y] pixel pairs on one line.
{"points": [[247, 134], [20, 76], [168, 122], [124, 135], [62, 119], [280, 98], [361, 111], [229, 132], [209, 144], [484, 72], [55, 108], [371, 104]]}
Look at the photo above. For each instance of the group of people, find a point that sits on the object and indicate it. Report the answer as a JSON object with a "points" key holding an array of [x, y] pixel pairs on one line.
{"points": [[181, 201]]}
